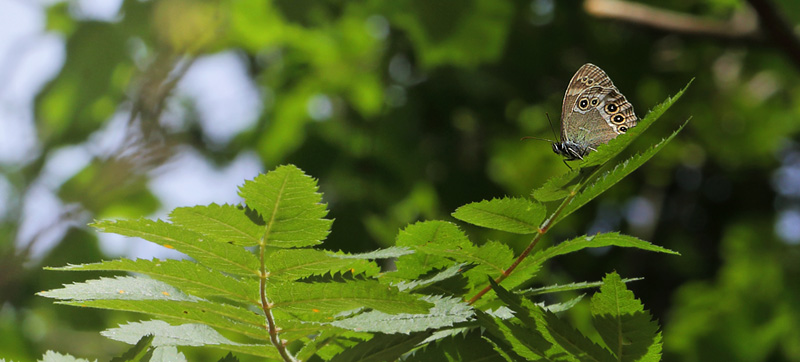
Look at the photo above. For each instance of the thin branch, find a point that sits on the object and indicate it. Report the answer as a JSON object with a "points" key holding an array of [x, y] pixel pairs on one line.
{"points": [[546, 225], [742, 26], [761, 24], [265, 304], [778, 30]]}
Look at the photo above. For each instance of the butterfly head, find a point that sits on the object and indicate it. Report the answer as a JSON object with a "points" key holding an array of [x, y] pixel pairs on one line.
{"points": [[570, 150]]}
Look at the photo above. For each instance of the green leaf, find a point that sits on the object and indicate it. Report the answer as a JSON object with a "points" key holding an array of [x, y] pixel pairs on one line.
{"points": [[571, 340], [215, 255], [626, 328], [420, 235], [598, 241], [382, 347], [553, 188], [523, 274], [555, 288], [523, 337], [293, 264], [431, 232], [329, 343], [138, 351], [504, 351], [610, 178], [441, 245], [462, 347], [167, 353], [445, 313], [554, 331], [186, 275], [226, 223], [222, 317], [514, 215], [326, 299], [608, 151], [288, 202], [504, 341], [185, 335], [490, 259]]}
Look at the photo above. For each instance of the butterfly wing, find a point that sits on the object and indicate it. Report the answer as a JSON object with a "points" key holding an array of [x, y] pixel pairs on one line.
{"points": [[594, 111], [587, 76]]}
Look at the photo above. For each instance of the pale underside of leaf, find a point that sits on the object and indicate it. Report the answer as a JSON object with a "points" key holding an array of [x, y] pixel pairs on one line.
{"points": [[185, 335], [445, 313], [189, 276]]}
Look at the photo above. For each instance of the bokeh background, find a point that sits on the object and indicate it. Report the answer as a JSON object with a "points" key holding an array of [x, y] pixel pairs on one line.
{"points": [[405, 110]]}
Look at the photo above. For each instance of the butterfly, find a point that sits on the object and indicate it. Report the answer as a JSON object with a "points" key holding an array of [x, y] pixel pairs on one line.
{"points": [[592, 113]]}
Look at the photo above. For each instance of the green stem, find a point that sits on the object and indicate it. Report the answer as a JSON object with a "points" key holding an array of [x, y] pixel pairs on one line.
{"points": [[266, 306], [542, 230]]}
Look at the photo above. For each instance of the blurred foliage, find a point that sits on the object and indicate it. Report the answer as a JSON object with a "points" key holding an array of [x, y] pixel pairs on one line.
{"points": [[406, 110]]}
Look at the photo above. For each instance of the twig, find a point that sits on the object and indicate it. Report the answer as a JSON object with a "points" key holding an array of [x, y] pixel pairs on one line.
{"points": [[779, 31], [546, 225], [766, 26], [542, 230], [266, 306], [742, 26]]}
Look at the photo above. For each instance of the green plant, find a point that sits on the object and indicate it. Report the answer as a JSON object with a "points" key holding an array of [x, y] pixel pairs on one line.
{"points": [[258, 286]]}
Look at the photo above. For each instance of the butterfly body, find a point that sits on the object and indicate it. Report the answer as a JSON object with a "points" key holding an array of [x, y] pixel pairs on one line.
{"points": [[592, 113], [570, 150]]}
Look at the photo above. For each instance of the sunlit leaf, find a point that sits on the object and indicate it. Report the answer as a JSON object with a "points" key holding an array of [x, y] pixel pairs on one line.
{"points": [[213, 254], [515, 215], [290, 206], [226, 223]]}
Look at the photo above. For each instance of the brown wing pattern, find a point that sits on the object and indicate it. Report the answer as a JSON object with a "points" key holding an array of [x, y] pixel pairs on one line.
{"points": [[598, 115], [594, 111], [617, 111], [587, 76]]}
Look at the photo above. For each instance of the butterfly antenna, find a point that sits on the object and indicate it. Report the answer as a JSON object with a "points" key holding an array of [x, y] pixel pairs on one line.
{"points": [[544, 139], [551, 125], [536, 138]]}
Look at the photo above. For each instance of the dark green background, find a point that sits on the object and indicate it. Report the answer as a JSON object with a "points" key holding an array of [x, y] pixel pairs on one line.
{"points": [[427, 118]]}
